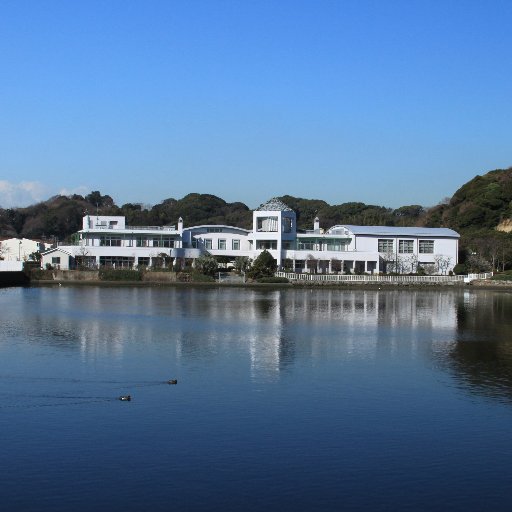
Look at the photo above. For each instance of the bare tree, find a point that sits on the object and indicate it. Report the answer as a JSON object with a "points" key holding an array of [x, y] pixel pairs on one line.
{"points": [[311, 262], [442, 263], [411, 263], [336, 265]]}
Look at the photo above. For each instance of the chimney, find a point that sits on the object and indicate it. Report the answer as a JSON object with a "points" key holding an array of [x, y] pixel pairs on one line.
{"points": [[316, 225], [180, 225]]}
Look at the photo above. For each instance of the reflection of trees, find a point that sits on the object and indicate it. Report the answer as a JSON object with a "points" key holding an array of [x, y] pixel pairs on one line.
{"points": [[481, 358]]}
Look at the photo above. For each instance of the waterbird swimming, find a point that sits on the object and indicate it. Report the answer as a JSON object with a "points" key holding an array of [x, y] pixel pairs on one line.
{"points": [[172, 381], [125, 398]]}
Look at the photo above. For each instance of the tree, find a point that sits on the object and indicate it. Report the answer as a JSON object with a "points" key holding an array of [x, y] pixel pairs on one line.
{"points": [[264, 265], [336, 265], [411, 263], [242, 263], [34, 256], [312, 263], [442, 263], [206, 265], [96, 199]]}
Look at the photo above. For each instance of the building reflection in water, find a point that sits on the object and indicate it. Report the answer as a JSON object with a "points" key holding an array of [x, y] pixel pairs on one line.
{"points": [[464, 333]]}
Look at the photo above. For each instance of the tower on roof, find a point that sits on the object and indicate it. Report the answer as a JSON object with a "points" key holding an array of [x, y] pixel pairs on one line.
{"points": [[274, 227], [274, 205]]}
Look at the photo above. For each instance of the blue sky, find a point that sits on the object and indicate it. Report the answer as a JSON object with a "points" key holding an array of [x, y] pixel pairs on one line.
{"points": [[384, 102]]}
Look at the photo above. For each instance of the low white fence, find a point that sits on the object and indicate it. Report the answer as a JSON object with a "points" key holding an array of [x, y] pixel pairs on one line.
{"points": [[376, 278], [11, 266]]}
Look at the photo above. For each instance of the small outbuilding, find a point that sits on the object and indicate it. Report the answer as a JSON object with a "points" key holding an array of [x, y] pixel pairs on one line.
{"points": [[58, 258]]}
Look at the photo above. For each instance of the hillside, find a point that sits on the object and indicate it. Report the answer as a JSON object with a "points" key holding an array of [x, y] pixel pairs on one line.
{"points": [[482, 203]]}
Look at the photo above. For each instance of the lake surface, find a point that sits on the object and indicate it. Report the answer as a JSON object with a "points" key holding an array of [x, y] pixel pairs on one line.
{"points": [[286, 399]]}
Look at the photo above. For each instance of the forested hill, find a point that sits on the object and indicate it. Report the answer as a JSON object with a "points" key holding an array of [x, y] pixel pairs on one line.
{"points": [[60, 216], [482, 203]]}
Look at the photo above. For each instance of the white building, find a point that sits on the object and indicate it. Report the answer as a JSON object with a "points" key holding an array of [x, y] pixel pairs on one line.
{"points": [[20, 249], [108, 241]]}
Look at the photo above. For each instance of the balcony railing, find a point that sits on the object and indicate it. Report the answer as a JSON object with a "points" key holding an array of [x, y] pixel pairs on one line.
{"points": [[151, 228], [135, 228]]}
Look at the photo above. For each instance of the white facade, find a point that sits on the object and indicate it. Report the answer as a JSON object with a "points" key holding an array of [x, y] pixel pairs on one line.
{"points": [[20, 249], [59, 258], [108, 241]]}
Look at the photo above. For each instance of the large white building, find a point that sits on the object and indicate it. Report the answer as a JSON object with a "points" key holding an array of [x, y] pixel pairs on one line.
{"points": [[108, 241]]}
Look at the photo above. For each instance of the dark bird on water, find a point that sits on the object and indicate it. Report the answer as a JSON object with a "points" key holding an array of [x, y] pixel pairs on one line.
{"points": [[125, 398], [172, 381]]}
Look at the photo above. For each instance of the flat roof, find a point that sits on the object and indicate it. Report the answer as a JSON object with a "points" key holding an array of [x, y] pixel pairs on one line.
{"points": [[399, 231]]}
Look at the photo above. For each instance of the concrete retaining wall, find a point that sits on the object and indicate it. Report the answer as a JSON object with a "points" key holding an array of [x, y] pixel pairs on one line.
{"points": [[159, 277]]}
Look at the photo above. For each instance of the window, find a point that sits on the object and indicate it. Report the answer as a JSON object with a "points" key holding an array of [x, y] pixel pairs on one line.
{"points": [[287, 225], [214, 230], [143, 262], [142, 241], [110, 241], [426, 246], [117, 261], [56, 260], [235, 245], [405, 246], [385, 245], [306, 245], [267, 223], [221, 244], [266, 244], [207, 243], [163, 242]]}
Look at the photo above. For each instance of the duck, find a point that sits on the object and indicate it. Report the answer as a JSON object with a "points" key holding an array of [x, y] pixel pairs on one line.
{"points": [[125, 398], [172, 381]]}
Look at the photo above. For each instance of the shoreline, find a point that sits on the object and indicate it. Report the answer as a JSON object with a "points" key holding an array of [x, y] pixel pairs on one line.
{"points": [[505, 286]]}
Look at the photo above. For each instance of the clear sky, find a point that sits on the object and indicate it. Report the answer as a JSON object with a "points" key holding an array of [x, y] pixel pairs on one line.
{"points": [[385, 102]]}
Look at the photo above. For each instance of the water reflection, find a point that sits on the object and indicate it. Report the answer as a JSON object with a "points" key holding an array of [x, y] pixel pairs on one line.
{"points": [[481, 357], [274, 328], [271, 332]]}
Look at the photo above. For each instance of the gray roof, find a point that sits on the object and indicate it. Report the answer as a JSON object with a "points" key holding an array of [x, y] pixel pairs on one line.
{"points": [[273, 205], [206, 226], [399, 231]]}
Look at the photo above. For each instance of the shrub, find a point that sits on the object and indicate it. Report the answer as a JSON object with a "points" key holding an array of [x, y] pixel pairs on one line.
{"points": [[264, 265], [110, 274], [273, 280], [198, 277], [206, 265], [460, 269], [503, 276]]}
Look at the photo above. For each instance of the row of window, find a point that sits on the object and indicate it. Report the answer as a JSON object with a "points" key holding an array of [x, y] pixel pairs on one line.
{"points": [[406, 246], [221, 244], [384, 244], [117, 241]]}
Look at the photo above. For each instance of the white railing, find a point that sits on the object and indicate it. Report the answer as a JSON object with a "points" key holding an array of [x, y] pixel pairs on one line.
{"points": [[131, 228], [151, 228], [375, 278], [472, 277]]}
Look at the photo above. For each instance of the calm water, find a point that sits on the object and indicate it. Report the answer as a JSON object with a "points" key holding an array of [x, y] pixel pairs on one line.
{"points": [[286, 400]]}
